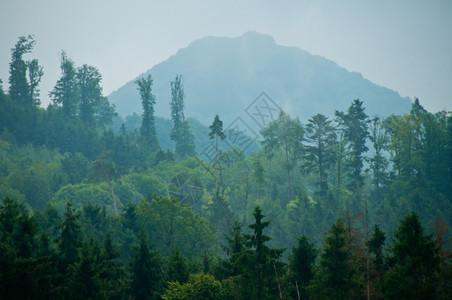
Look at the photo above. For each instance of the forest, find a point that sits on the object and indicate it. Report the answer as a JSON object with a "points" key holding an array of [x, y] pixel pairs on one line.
{"points": [[350, 207]]}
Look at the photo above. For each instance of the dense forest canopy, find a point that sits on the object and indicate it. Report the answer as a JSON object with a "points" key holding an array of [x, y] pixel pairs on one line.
{"points": [[343, 207]]}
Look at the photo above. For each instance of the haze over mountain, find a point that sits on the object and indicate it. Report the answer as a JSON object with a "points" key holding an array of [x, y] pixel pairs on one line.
{"points": [[225, 75]]}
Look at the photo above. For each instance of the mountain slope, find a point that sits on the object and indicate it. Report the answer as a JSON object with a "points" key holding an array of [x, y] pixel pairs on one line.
{"points": [[224, 75]]}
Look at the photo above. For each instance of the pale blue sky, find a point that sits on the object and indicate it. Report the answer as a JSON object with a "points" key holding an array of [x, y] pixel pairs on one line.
{"points": [[402, 45]]}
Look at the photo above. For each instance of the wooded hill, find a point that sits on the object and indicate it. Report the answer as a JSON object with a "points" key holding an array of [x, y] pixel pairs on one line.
{"points": [[338, 207]]}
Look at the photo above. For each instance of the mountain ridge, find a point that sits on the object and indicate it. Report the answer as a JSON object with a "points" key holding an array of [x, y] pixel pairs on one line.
{"points": [[224, 75]]}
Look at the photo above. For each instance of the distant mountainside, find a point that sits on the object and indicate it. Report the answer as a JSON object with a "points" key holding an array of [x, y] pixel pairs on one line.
{"points": [[225, 75]]}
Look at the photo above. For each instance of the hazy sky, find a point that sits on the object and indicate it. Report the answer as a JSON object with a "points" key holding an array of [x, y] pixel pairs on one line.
{"points": [[403, 45]]}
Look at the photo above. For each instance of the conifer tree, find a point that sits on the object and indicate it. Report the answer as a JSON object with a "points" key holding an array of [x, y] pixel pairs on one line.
{"points": [[146, 271], [333, 277], [69, 239], [354, 127], [301, 266], [414, 270]]}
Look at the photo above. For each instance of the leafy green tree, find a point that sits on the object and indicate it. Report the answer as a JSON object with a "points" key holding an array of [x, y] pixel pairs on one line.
{"points": [[180, 133], [66, 91], [199, 286], [319, 150], [333, 276], [301, 266], [414, 258], [89, 79], [35, 72], [19, 89], [146, 269], [172, 224], [285, 134], [104, 168], [147, 130], [355, 129]]}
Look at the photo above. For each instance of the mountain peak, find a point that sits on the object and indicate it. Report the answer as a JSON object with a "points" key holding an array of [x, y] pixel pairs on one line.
{"points": [[224, 76]]}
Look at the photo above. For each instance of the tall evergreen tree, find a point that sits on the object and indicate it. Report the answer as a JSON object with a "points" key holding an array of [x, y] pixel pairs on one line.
{"points": [[146, 271], [354, 126], [319, 150], [301, 266], [216, 133], [180, 133], [333, 277], [413, 273], [259, 263], [147, 131], [69, 239]]}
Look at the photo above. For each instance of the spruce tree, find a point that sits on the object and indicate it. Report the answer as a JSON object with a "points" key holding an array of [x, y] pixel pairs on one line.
{"points": [[354, 127], [415, 260], [146, 271], [333, 277]]}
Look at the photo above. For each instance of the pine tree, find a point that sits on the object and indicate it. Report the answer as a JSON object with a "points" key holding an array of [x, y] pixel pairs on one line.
{"points": [[146, 271], [354, 127], [319, 150], [259, 263], [216, 133], [333, 277], [301, 266], [415, 259], [69, 239]]}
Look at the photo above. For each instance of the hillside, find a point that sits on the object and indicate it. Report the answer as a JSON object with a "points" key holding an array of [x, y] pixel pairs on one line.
{"points": [[224, 75]]}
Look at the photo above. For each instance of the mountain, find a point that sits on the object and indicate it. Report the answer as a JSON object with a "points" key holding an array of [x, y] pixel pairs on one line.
{"points": [[225, 76]]}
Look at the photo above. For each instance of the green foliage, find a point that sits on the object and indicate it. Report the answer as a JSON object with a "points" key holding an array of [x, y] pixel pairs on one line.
{"points": [[66, 91], [301, 266], [69, 239], [19, 88], [333, 276], [146, 271], [180, 132], [285, 134], [172, 224], [147, 129], [413, 273], [354, 127], [199, 286]]}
